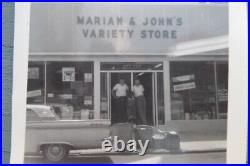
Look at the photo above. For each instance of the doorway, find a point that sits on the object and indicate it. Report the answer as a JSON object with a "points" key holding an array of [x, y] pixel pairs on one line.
{"points": [[150, 75], [115, 78], [147, 81]]}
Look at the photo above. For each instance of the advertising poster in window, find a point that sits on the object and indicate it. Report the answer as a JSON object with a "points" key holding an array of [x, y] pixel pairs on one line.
{"points": [[68, 74]]}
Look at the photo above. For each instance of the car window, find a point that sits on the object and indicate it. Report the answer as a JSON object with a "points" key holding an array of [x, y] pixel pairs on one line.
{"points": [[31, 116], [44, 113]]}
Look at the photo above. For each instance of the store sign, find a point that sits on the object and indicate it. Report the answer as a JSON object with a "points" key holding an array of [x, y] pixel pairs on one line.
{"points": [[184, 86], [68, 74], [92, 27], [65, 96], [122, 28], [132, 66], [183, 78], [34, 93]]}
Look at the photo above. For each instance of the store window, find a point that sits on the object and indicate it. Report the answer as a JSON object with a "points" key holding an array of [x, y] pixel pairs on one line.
{"points": [[222, 88], [35, 88], [70, 87], [193, 92], [160, 98]]}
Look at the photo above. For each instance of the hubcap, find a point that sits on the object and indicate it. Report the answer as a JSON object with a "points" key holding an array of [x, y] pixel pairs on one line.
{"points": [[55, 150]]}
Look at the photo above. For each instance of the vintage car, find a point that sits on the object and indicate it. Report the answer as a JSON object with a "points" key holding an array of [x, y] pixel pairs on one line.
{"points": [[54, 138]]}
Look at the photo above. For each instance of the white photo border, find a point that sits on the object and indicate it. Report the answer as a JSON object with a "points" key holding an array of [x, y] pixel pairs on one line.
{"points": [[238, 82]]}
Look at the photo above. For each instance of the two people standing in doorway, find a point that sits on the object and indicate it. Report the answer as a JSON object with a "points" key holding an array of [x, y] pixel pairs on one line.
{"points": [[121, 93]]}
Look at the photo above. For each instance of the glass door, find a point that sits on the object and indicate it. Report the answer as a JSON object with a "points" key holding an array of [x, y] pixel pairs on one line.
{"points": [[146, 80], [150, 75], [152, 83], [107, 101], [105, 89], [159, 89], [116, 106]]}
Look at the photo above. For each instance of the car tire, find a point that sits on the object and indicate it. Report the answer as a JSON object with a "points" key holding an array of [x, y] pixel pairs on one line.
{"points": [[172, 142], [173, 146], [55, 152]]}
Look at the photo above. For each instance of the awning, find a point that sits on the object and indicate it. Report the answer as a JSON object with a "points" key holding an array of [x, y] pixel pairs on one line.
{"points": [[209, 46]]}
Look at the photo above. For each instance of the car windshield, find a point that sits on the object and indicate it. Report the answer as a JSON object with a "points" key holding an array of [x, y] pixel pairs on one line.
{"points": [[41, 114]]}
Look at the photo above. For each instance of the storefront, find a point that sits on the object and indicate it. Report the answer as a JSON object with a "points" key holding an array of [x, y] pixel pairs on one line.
{"points": [[79, 52]]}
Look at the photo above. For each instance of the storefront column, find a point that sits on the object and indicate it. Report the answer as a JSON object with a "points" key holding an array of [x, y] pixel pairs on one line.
{"points": [[45, 82], [97, 89], [216, 90], [167, 97]]}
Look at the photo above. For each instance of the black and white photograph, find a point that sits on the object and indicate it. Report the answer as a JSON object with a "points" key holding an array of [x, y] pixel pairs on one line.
{"points": [[127, 83]]}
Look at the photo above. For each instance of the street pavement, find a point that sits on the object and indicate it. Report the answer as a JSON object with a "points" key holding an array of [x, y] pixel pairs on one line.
{"points": [[192, 158], [195, 148], [191, 152]]}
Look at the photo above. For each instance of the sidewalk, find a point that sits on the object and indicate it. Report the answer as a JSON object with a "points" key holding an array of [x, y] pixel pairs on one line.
{"points": [[190, 143], [203, 146], [203, 142], [186, 147]]}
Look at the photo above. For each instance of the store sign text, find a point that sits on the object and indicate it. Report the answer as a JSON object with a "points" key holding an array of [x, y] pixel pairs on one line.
{"points": [[96, 27], [184, 86]]}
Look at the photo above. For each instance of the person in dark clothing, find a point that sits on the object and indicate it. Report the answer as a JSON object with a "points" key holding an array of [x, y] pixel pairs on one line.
{"points": [[120, 92], [131, 109]]}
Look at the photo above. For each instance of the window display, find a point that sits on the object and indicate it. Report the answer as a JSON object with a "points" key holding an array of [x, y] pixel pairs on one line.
{"points": [[193, 90], [69, 87], [222, 88], [35, 89]]}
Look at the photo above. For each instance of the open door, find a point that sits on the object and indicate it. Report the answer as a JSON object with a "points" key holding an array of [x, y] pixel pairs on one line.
{"points": [[153, 92], [115, 77], [146, 79]]}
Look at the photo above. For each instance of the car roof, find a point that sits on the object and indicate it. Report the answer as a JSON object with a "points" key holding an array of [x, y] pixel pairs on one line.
{"points": [[34, 106], [42, 110]]}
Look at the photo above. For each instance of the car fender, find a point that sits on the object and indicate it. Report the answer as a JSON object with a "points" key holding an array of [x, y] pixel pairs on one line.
{"points": [[41, 145]]}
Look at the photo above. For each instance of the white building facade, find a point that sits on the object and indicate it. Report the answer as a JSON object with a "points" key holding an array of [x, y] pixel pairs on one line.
{"points": [[78, 51]]}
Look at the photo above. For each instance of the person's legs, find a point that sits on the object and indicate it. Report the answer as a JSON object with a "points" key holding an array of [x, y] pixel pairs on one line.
{"points": [[131, 110], [119, 110], [115, 112], [141, 109], [123, 109]]}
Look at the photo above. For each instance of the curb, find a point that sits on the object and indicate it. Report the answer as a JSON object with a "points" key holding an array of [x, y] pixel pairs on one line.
{"points": [[204, 151], [160, 151], [99, 152]]}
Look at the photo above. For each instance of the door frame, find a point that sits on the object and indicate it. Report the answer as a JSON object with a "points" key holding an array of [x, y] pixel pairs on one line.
{"points": [[154, 89]]}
